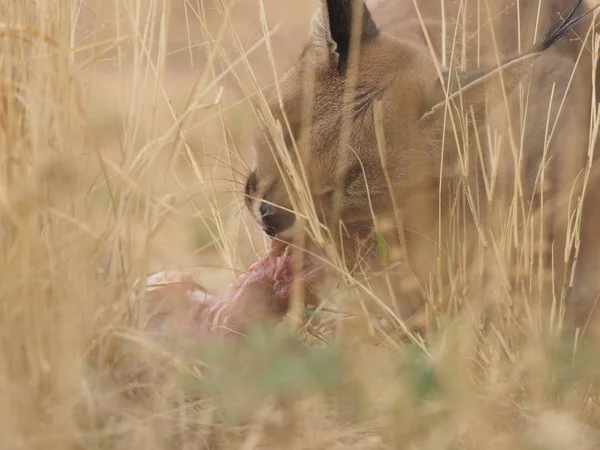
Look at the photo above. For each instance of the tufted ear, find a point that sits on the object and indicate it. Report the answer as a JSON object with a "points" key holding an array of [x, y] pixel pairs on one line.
{"points": [[332, 28], [471, 88]]}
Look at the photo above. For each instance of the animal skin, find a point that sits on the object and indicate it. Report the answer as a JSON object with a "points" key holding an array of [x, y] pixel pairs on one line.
{"points": [[383, 126], [175, 303]]}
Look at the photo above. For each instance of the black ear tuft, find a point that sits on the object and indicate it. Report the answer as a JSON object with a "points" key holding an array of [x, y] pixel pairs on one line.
{"points": [[560, 28], [340, 14]]}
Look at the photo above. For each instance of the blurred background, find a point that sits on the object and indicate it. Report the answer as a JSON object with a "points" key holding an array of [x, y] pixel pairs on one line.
{"points": [[125, 141], [212, 56]]}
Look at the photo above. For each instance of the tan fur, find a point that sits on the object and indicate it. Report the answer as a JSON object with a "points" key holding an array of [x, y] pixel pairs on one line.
{"points": [[397, 70]]}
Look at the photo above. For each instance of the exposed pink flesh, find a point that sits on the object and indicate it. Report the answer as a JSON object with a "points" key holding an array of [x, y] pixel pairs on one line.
{"points": [[261, 294]]}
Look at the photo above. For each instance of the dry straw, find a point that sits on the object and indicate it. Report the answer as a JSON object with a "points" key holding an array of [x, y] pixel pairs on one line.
{"points": [[80, 220]]}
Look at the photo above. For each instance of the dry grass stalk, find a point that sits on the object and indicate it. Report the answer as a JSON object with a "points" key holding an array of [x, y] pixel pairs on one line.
{"points": [[80, 220]]}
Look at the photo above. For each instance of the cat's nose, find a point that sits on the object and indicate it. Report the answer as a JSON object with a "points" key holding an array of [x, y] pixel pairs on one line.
{"points": [[275, 220], [265, 210]]}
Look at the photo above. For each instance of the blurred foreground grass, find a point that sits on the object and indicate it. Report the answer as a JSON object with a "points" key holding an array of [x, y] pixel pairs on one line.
{"points": [[124, 133]]}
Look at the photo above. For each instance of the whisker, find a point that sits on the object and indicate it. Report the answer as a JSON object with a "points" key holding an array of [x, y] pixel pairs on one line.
{"points": [[227, 165], [229, 205], [231, 191], [229, 181], [239, 211]]}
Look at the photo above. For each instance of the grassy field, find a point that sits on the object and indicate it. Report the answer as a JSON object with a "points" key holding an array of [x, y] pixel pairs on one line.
{"points": [[125, 133]]}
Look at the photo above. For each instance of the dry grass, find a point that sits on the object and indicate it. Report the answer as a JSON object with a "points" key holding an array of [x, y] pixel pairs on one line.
{"points": [[117, 144]]}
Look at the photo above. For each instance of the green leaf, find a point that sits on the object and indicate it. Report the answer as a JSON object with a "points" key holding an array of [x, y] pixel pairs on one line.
{"points": [[383, 248]]}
